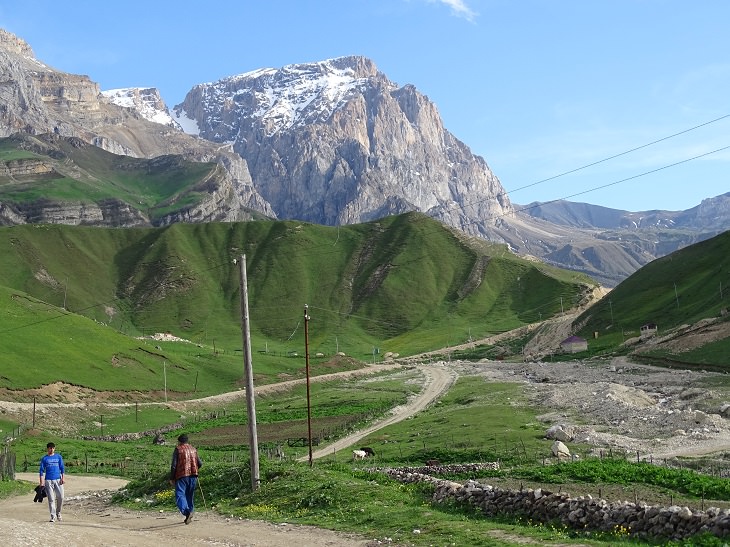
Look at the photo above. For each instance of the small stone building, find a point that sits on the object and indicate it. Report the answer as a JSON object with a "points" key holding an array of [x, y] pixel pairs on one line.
{"points": [[648, 330], [574, 344]]}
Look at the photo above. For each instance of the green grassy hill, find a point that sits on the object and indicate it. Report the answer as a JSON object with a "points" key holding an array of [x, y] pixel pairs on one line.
{"points": [[62, 170], [404, 284], [680, 289]]}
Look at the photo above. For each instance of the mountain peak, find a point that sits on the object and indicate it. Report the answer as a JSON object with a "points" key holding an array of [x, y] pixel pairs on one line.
{"points": [[291, 96], [11, 42]]}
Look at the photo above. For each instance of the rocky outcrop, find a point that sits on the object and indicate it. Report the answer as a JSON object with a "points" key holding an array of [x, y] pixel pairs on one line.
{"points": [[9, 216], [108, 213], [10, 42], [229, 197], [146, 101], [25, 168], [225, 192]]}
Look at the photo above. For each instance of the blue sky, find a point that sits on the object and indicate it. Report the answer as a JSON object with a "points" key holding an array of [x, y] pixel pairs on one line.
{"points": [[536, 87]]}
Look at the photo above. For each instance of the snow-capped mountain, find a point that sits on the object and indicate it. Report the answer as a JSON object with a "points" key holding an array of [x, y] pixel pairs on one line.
{"points": [[336, 142]]}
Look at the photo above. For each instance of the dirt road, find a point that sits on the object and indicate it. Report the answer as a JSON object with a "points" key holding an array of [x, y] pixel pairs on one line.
{"points": [[89, 521], [438, 380]]}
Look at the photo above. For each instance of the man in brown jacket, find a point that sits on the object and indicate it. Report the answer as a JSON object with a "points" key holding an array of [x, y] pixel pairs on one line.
{"points": [[184, 475]]}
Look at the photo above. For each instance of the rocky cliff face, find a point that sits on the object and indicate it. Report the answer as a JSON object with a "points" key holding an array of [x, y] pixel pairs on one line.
{"points": [[336, 142], [146, 101], [36, 99]]}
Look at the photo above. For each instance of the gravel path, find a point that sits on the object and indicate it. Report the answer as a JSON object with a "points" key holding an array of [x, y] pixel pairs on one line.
{"points": [[89, 520]]}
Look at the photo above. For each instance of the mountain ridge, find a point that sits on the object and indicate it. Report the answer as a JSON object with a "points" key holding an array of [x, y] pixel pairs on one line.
{"points": [[333, 142], [710, 213]]}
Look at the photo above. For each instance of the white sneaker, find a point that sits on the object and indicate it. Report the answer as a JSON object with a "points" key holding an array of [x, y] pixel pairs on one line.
{"points": [[58, 518], [53, 519]]}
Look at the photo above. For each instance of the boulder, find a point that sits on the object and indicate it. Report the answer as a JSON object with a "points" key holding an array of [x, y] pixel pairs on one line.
{"points": [[560, 451], [560, 432]]}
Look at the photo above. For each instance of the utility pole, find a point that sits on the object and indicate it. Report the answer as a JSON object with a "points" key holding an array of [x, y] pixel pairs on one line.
{"points": [[610, 305], [676, 296], [248, 376], [309, 404]]}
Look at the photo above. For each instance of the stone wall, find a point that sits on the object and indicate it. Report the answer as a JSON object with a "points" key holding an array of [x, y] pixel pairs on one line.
{"points": [[134, 436], [581, 513]]}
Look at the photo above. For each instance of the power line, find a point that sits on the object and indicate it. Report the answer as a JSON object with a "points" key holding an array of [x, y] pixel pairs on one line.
{"points": [[601, 187], [592, 189], [508, 192], [618, 155]]}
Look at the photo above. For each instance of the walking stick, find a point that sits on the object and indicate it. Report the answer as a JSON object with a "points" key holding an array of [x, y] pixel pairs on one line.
{"points": [[202, 495]]}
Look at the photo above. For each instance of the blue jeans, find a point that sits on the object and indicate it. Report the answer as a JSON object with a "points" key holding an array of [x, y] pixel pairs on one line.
{"points": [[184, 494]]}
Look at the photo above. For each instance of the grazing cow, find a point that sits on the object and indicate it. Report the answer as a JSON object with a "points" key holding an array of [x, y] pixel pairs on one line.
{"points": [[368, 451], [359, 455]]}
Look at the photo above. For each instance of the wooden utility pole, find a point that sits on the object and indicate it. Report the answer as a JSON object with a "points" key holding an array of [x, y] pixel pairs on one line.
{"points": [[309, 404], [248, 377]]}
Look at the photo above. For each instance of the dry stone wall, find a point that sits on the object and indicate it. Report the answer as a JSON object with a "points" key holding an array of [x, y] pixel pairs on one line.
{"points": [[582, 513]]}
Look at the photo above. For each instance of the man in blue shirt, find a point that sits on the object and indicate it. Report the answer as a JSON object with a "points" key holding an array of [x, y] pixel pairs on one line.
{"points": [[52, 471]]}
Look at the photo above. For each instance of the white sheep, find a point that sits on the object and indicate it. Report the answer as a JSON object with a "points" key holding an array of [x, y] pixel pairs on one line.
{"points": [[359, 454]]}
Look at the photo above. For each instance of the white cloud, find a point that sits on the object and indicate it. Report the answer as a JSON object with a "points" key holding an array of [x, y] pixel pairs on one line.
{"points": [[459, 8]]}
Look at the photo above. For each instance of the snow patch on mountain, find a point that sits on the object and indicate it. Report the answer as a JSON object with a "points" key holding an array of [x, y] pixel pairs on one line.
{"points": [[146, 101], [189, 125]]}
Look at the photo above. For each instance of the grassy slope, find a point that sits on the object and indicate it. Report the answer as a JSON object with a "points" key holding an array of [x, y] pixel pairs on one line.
{"points": [[85, 173], [678, 289], [403, 284]]}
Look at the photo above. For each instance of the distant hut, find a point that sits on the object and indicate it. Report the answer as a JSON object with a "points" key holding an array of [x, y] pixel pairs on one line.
{"points": [[648, 330], [574, 344]]}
